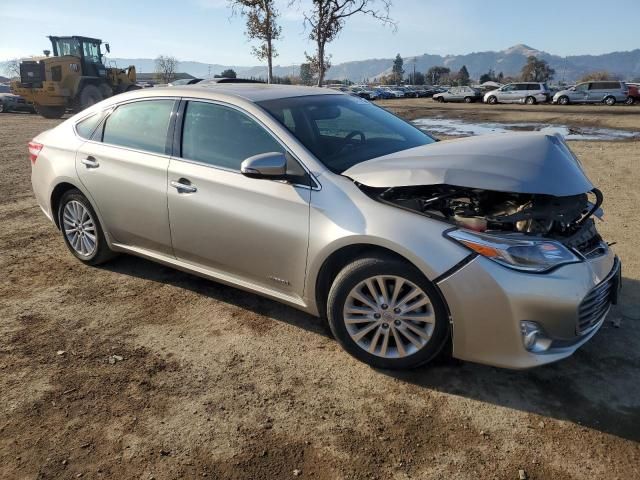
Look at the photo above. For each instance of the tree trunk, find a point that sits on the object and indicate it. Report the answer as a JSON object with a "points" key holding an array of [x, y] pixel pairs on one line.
{"points": [[321, 68], [269, 62]]}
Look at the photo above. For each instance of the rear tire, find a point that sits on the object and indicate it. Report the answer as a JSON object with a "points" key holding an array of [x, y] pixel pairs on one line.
{"points": [[530, 101], [50, 112], [492, 100], [395, 334], [610, 101], [630, 101], [2, 108], [90, 95], [81, 229], [564, 100], [468, 99], [440, 99]]}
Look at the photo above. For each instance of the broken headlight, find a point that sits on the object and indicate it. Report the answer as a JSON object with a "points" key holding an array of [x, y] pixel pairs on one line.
{"points": [[535, 255]]}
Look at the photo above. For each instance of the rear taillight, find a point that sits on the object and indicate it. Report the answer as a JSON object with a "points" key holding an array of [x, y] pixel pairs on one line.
{"points": [[34, 151]]}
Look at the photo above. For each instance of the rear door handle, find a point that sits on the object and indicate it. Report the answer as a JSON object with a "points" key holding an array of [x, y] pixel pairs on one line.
{"points": [[90, 162], [183, 186]]}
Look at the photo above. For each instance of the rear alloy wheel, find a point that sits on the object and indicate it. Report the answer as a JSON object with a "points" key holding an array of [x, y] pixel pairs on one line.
{"points": [[81, 229], [387, 314], [610, 101], [467, 99], [492, 100], [530, 101], [629, 101], [90, 95], [563, 100], [50, 112]]}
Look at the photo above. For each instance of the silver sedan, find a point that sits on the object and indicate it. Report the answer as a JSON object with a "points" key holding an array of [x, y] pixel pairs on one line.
{"points": [[334, 206]]}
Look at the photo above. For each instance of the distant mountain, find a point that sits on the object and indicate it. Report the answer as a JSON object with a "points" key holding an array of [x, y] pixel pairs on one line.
{"points": [[509, 62]]}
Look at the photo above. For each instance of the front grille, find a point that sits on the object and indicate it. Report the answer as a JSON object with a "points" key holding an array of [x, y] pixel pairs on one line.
{"points": [[598, 300]]}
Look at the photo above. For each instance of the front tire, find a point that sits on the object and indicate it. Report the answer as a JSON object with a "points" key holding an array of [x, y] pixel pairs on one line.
{"points": [[81, 229], [90, 95], [563, 100], [530, 101], [492, 100], [468, 99], [385, 313]]}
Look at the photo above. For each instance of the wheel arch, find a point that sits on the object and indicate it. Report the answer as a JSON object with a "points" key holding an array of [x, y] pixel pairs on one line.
{"points": [[341, 257], [56, 195]]}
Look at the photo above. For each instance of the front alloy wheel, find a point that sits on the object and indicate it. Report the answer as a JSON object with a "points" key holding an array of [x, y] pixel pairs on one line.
{"points": [[384, 312], [389, 316]]}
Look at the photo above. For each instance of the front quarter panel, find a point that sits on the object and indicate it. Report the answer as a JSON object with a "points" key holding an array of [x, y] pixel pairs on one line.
{"points": [[342, 215]]}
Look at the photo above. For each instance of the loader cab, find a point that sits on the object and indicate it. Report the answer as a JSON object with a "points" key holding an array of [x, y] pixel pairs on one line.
{"points": [[87, 49]]}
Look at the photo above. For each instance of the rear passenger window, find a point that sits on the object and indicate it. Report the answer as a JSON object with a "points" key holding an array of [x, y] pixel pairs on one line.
{"points": [[141, 125], [222, 136], [86, 127]]}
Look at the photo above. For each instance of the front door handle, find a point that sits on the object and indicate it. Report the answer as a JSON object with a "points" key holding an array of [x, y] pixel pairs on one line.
{"points": [[183, 186], [90, 162]]}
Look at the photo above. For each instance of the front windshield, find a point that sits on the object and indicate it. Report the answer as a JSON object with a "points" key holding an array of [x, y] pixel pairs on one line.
{"points": [[342, 130]]}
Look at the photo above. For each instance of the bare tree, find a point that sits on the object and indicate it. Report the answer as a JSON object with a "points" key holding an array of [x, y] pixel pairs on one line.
{"points": [[166, 67], [598, 75], [536, 70], [261, 16], [12, 68], [327, 19]]}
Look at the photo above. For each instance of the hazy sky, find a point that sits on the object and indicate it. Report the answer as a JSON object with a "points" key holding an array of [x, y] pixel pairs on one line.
{"points": [[203, 30]]}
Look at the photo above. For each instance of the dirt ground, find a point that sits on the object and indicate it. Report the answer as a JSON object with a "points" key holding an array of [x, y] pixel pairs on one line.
{"points": [[135, 370]]}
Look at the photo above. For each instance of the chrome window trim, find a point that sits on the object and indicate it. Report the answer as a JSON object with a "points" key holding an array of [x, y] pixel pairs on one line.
{"points": [[112, 108], [316, 185]]}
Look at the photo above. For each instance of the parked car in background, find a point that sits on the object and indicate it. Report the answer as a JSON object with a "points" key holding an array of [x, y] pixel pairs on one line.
{"points": [[634, 93], [458, 94], [408, 91], [522, 92], [404, 244], [364, 93], [608, 92], [393, 90], [383, 93], [10, 102]]}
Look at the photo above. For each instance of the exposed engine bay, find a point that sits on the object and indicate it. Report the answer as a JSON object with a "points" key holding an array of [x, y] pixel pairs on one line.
{"points": [[567, 219]]}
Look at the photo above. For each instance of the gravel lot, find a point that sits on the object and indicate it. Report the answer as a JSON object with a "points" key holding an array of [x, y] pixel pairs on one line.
{"points": [[135, 370]]}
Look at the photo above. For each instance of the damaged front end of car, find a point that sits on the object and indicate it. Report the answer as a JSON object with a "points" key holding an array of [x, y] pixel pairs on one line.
{"points": [[518, 201], [522, 201]]}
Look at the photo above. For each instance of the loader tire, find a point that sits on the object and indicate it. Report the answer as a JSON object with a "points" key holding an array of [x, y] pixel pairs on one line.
{"points": [[49, 112], [90, 95]]}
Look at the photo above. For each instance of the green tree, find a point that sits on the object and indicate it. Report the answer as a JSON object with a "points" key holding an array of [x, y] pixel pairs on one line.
{"points": [[536, 70], [228, 73], [397, 69], [435, 74], [463, 76], [327, 18], [490, 76], [306, 74], [261, 16]]}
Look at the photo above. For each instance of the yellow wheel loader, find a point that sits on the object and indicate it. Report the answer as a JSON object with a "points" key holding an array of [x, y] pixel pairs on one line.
{"points": [[74, 78]]}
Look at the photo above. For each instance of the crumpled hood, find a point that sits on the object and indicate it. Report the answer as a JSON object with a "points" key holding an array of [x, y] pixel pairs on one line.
{"points": [[532, 163]]}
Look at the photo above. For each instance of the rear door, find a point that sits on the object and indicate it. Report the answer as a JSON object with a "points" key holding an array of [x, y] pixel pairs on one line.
{"points": [[507, 93], [124, 168], [253, 230]]}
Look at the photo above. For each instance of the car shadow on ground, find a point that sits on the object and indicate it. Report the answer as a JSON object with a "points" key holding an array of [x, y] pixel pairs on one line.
{"points": [[598, 387]]}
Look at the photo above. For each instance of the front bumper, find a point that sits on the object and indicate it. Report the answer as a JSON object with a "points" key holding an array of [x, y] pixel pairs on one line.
{"points": [[487, 302]]}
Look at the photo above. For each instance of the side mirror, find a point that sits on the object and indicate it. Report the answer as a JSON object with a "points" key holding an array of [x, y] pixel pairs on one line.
{"points": [[272, 165], [106, 45]]}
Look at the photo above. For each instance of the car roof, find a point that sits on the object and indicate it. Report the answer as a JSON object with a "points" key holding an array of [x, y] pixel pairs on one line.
{"points": [[254, 92]]}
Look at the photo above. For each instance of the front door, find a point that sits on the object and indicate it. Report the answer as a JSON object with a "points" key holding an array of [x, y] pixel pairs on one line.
{"points": [[253, 230], [125, 172]]}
